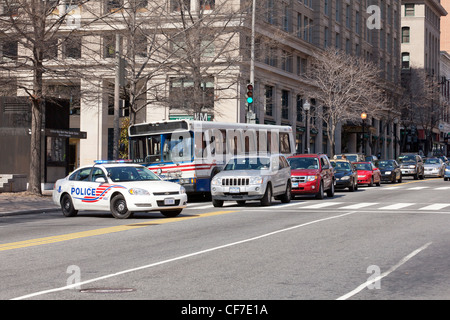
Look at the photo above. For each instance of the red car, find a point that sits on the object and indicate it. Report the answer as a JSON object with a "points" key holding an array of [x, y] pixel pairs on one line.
{"points": [[368, 173], [311, 174]]}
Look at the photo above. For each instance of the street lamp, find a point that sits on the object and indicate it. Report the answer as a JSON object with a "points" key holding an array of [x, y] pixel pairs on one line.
{"points": [[306, 107], [363, 117]]}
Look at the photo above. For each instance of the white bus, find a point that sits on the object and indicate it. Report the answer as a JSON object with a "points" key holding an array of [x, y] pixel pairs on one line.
{"points": [[191, 152]]}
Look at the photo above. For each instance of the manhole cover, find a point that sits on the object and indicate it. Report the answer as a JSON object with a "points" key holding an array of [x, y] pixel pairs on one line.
{"points": [[107, 290]]}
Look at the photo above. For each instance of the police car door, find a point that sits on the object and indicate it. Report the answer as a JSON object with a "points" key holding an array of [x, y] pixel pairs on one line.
{"points": [[78, 188], [94, 196]]}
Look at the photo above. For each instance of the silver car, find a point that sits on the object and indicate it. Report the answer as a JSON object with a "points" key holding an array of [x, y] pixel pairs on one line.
{"points": [[253, 178], [434, 167]]}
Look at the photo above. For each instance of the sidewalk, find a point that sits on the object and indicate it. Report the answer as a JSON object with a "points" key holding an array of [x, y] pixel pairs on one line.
{"points": [[12, 203]]}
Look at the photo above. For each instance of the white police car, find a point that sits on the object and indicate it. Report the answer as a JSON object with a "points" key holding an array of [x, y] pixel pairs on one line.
{"points": [[119, 187]]}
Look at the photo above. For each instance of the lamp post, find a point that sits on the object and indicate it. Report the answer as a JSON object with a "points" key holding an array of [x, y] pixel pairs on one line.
{"points": [[306, 107], [363, 117]]}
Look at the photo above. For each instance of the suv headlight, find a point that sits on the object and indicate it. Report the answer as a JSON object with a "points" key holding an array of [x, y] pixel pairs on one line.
{"points": [[387, 172], [216, 181], [138, 192], [412, 167], [256, 180], [311, 178]]}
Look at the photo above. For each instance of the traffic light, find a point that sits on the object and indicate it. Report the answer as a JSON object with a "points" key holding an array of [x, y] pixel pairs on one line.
{"points": [[249, 93]]}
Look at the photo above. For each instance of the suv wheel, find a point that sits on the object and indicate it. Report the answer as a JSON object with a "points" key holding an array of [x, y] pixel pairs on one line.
{"points": [[217, 203], [267, 199], [286, 198], [330, 192], [320, 194]]}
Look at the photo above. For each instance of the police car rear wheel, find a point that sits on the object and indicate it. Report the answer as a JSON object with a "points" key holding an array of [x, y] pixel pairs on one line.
{"points": [[67, 206], [119, 208]]}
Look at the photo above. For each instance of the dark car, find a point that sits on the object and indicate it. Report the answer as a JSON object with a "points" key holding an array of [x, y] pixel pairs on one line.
{"points": [[311, 174], [390, 171], [345, 174], [411, 165]]}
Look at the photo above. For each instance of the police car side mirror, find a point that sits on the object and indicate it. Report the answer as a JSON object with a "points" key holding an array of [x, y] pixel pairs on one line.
{"points": [[100, 180]]}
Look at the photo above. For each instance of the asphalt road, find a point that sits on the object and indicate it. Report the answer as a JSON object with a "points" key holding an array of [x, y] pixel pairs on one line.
{"points": [[388, 242]]}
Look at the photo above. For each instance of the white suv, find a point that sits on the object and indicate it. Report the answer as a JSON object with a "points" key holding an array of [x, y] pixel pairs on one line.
{"points": [[258, 177]]}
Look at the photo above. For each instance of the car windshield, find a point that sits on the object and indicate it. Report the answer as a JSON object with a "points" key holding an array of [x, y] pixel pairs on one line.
{"points": [[432, 161], [363, 166], [351, 158], [121, 174], [407, 158], [253, 163], [385, 164], [303, 163], [341, 166]]}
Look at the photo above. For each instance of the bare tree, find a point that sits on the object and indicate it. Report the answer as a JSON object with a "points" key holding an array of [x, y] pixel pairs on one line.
{"points": [[420, 104], [345, 86]]}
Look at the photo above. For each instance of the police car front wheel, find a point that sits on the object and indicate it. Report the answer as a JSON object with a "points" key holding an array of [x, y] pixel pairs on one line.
{"points": [[119, 207]]}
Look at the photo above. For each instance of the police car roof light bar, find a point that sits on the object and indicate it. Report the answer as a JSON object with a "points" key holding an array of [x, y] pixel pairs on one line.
{"points": [[113, 161]]}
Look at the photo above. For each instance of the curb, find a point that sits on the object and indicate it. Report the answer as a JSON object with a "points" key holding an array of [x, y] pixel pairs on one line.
{"points": [[29, 211]]}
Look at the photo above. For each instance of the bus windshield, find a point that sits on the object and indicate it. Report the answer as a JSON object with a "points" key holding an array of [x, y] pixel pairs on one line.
{"points": [[162, 148]]}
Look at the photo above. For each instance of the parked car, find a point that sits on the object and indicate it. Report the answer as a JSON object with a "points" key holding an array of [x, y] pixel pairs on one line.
{"points": [[352, 157], [253, 178], [390, 171], [434, 167], [447, 173], [120, 188], [312, 174], [345, 174], [368, 173], [411, 165]]}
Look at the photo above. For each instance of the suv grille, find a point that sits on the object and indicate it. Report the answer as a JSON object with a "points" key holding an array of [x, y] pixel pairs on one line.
{"points": [[300, 179], [235, 181]]}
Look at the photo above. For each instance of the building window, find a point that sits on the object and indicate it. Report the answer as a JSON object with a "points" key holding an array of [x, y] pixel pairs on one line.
{"points": [[409, 10], [325, 39], [178, 5], [405, 34], [284, 104], [9, 50], [405, 60], [207, 4], [286, 61], [113, 5], [270, 9], [109, 46], [268, 101], [72, 48], [299, 108]]}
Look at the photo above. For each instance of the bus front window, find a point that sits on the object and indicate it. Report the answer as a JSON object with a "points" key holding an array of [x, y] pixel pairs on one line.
{"points": [[177, 147]]}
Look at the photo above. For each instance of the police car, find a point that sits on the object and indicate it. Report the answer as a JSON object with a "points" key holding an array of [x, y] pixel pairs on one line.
{"points": [[120, 187]]}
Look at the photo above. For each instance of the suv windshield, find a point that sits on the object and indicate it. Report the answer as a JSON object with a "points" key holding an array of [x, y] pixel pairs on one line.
{"points": [[255, 163], [385, 164], [304, 163], [341, 166], [121, 174]]}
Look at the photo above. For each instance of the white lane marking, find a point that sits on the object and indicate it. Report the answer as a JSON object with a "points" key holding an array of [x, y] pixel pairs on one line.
{"points": [[396, 206], [392, 269], [417, 188], [77, 285], [321, 205], [435, 206], [359, 205], [442, 188]]}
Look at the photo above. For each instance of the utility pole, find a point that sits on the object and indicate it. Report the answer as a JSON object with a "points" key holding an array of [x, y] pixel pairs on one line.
{"points": [[117, 100], [250, 112]]}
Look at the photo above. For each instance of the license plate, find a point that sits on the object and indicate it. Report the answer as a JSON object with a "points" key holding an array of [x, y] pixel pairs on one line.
{"points": [[169, 201], [294, 184], [235, 190]]}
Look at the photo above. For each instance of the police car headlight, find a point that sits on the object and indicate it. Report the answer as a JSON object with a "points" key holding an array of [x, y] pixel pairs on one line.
{"points": [[182, 190], [138, 192]]}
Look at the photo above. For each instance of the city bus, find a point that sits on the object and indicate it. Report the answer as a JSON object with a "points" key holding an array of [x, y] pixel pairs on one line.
{"points": [[191, 152]]}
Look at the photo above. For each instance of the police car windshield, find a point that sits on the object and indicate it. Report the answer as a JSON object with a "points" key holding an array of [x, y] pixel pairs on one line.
{"points": [[129, 173]]}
